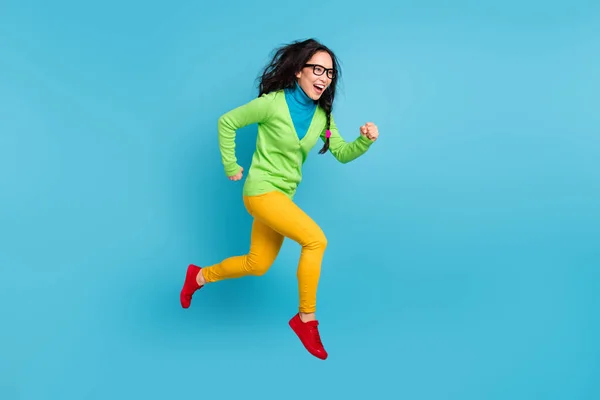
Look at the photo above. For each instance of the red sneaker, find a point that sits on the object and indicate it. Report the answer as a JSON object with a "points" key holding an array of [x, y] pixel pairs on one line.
{"points": [[190, 285], [308, 333]]}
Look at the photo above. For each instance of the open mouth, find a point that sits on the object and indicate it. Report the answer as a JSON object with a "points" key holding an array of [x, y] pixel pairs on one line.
{"points": [[319, 88]]}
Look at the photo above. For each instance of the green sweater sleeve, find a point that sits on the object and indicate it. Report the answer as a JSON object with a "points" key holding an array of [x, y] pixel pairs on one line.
{"points": [[255, 111], [344, 151]]}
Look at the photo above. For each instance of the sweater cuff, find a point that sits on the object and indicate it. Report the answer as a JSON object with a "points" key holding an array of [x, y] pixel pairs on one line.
{"points": [[365, 140], [232, 169]]}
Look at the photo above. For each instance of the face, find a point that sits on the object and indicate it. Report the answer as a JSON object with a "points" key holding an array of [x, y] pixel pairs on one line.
{"points": [[309, 79]]}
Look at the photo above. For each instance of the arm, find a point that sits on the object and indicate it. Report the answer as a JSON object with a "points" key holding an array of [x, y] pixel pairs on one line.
{"points": [[344, 151], [255, 111]]}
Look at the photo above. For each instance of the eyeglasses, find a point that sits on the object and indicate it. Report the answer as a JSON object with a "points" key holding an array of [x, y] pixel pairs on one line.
{"points": [[320, 70]]}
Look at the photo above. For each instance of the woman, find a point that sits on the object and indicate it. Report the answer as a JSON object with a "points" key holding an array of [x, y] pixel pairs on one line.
{"points": [[292, 110]]}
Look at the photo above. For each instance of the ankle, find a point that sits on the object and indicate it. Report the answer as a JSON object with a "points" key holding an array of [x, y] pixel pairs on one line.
{"points": [[306, 317], [200, 279]]}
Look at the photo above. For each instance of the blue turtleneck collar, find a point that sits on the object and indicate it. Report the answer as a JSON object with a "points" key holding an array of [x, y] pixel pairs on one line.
{"points": [[297, 94], [302, 109]]}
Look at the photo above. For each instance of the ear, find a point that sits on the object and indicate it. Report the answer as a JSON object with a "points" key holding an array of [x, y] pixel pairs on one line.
{"points": [[298, 74]]}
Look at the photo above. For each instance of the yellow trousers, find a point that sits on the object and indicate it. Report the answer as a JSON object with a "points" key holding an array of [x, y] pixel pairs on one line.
{"points": [[275, 217]]}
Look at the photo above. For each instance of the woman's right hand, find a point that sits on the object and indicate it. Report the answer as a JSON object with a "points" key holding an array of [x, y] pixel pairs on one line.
{"points": [[237, 176]]}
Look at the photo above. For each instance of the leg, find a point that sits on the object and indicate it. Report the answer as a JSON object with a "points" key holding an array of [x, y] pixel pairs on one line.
{"points": [[265, 244], [283, 216]]}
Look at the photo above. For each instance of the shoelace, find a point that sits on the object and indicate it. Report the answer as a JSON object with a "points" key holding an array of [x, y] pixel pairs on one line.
{"points": [[315, 334]]}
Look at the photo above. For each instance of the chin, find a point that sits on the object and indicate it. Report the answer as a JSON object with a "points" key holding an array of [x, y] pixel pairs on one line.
{"points": [[313, 91], [316, 93]]}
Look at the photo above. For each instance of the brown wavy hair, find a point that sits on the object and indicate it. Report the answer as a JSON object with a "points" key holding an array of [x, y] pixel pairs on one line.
{"points": [[286, 61]]}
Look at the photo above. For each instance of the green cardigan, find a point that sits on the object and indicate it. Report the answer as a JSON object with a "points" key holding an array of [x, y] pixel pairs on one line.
{"points": [[279, 155]]}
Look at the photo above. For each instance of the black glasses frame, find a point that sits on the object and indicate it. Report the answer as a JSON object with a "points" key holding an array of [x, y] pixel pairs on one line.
{"points": [[330, 71]]}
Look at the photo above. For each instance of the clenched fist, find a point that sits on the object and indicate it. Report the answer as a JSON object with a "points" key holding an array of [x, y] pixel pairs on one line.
{"points": [[370, 131], [237, 176]]}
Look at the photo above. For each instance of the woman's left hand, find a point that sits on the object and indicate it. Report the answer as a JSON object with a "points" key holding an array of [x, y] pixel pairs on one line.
{"points": [[370, 131]]}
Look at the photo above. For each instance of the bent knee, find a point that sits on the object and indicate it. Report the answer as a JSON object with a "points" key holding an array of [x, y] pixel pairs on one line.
{"points": [[259, 266], [319, 241], [260, 270]]}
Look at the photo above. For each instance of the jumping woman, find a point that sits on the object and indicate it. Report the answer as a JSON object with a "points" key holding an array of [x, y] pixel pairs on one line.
{"points": [[293, 110]]}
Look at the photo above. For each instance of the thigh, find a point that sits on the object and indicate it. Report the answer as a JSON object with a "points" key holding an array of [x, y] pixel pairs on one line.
{"points": [[265, 243], [280, 213]]}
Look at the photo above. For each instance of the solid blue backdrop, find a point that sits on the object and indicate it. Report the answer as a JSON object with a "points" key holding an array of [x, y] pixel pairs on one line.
{"points": [[463, 247]]}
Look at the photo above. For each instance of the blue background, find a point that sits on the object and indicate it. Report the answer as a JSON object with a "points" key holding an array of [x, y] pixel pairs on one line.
{"points": [[464, 247]]}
